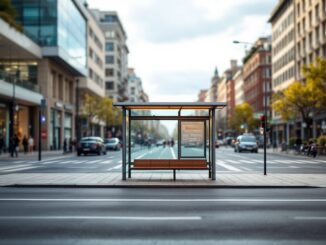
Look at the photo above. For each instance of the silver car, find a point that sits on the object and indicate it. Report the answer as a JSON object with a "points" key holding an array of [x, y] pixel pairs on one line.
{"points": [[246, 143]]}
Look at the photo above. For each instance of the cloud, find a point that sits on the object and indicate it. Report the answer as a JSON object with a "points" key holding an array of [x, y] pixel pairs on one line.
{"points": [[176, 44]]}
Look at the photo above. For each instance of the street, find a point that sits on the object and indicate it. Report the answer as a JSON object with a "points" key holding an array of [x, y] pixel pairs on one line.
{"points": [[227, 162], [162, 216]]}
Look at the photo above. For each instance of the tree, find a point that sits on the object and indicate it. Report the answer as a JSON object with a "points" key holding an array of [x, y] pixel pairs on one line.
{"points": [[8, 14], [91, 110], [299, 99], [316, 73], [243, 118]]}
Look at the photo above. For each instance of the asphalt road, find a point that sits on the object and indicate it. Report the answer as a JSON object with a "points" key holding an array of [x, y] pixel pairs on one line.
{"points": [[162, 216], [227, 162]]}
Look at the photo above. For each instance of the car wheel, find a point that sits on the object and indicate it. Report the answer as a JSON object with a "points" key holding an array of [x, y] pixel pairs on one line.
{"points": [[85, 154], [104, 152], [239, 151], [78, 153], [99, 152]]}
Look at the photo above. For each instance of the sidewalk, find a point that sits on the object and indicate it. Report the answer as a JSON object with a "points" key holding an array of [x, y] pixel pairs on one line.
{"points": [[290, 153], [156, 179], [34, 155]]}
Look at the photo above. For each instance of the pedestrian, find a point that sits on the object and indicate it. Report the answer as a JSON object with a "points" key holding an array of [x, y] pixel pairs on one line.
{"points": [[70, 144], [25, 144], [2, 143], [16, 142], [31, 143], [65, 146]]}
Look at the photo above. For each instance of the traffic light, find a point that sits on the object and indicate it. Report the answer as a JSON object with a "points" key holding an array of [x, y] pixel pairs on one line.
{"points": [[263, 121]]}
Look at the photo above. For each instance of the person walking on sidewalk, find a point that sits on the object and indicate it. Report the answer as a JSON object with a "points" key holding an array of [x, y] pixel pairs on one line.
{"points": [[25, 144], [65, 146], [15, 145], [2, 143], [31, 143]]}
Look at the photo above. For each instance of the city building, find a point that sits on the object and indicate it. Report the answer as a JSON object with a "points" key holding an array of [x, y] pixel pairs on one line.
{"points": [[116, 54], [310, 43], [226, 92], [93, 83], [59, 28], [238, 87], [20, 94], [135, 87], [202, 95], [257, 77], [212, 92], [283, 58], [299, 37]]}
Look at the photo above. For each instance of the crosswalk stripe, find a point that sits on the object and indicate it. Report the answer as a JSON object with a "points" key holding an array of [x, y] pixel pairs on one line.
{"points": [[116, 167], [19, 169], [15, 166], [227, 166]]}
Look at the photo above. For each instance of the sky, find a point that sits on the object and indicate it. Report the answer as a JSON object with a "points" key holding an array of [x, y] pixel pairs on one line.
{"points": [[175, 45]]}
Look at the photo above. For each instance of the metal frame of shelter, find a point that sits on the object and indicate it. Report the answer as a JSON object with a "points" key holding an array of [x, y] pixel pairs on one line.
{"points": [[128, 107]]}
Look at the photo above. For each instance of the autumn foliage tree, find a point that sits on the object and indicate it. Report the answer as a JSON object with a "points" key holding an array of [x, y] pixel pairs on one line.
{"points": [[306, 98], [97, 109], [243, 118]]}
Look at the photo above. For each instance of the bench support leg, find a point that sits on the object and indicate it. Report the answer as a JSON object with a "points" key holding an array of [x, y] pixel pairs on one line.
{"points": [[129, 173], [174, 177], [209, 174]]}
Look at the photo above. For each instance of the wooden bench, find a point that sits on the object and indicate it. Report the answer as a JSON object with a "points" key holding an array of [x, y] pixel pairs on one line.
{"points": [[169, 164]]}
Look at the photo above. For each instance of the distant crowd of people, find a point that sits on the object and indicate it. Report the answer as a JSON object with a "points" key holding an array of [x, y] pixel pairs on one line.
{"points": [[69, 145], [14, 145]]}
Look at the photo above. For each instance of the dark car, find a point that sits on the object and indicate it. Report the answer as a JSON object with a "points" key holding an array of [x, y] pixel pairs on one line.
{"points": [[112, 144], [246, 143], [91, 144]]}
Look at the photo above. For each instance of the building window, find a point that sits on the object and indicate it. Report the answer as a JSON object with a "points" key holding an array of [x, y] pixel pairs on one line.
{"points": [[109, 46], [109, 59], [109, 72], [317, 13], [110, 34], [110, 18], [109, 85]]}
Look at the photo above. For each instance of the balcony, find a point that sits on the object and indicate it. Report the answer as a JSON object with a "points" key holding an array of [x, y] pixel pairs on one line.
{"points": [[20, 82]]}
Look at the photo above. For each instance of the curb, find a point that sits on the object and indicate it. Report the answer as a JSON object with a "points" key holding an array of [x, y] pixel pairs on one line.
{"points": [[142, 186]]}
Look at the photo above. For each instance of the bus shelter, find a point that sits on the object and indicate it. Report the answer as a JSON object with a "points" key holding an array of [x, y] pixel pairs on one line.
{"points": [[196, 127]]}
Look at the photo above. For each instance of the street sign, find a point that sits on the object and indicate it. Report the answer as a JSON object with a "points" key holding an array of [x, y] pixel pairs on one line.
{"points": [[44, 134]]}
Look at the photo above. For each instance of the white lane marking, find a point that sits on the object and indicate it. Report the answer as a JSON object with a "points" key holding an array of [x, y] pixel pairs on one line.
{"points": [[310, 218], [104, 217], [15, 166], [247, 161], [94, 161], [18, 169], [142, 155], [107, 161], [227, 166], [172, 152], [231, 161], [158, 200], [116, 167]]}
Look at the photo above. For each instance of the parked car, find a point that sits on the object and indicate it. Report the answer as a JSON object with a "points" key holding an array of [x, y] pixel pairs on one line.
{"points": [[91, 144], [246, 143], [112, 144]]}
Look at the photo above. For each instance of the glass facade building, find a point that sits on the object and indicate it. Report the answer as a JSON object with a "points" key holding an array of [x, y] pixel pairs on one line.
{"points": [[55, 23]]}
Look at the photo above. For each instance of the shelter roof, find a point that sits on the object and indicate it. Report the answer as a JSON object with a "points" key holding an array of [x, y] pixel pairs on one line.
{"points": [[171, 105]]}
